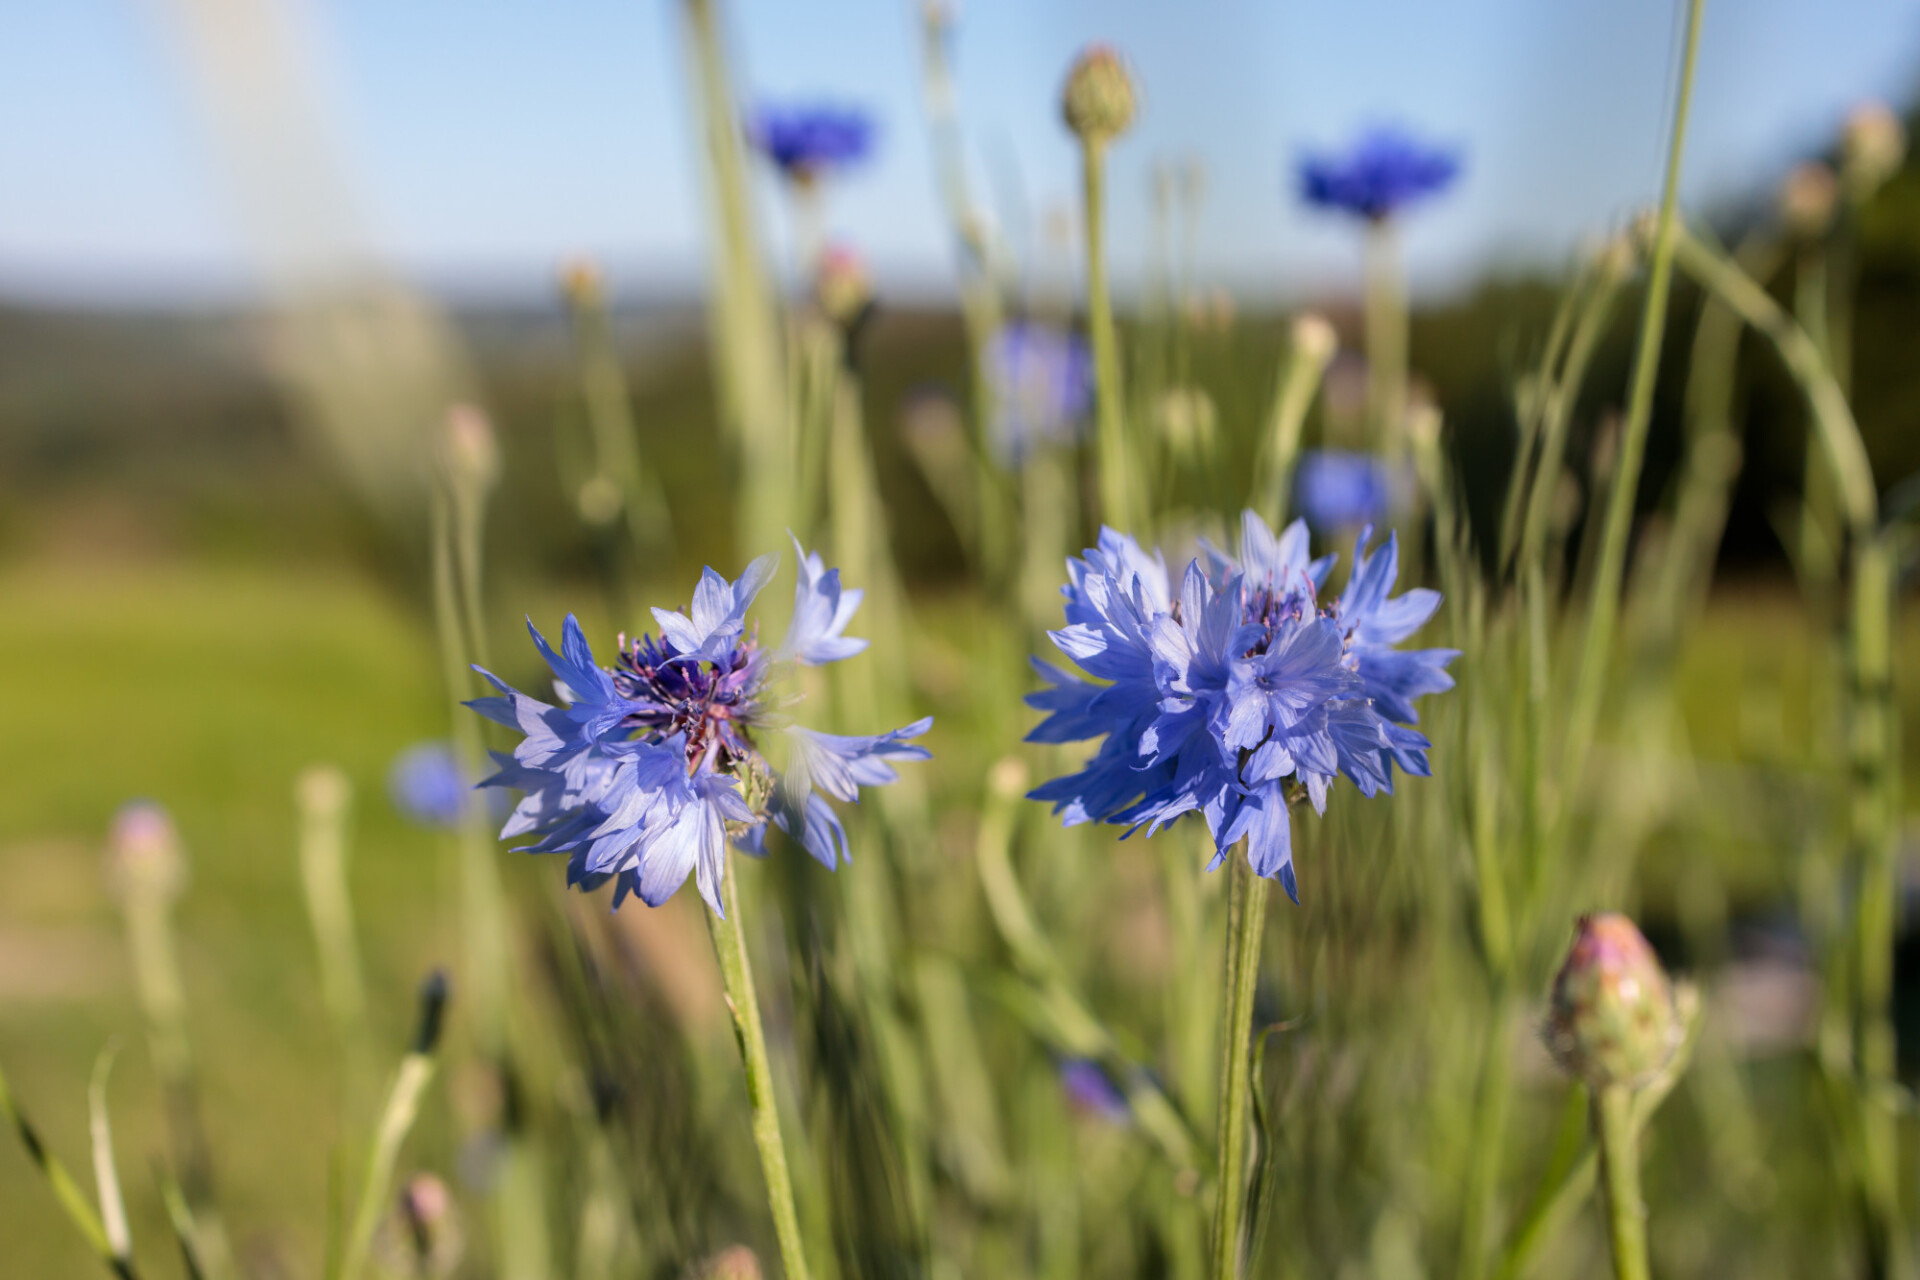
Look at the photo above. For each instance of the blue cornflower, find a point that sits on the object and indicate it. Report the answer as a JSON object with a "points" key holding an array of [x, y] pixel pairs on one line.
{"points": [[1239, 695], [1041, 379], [1336, 489], [805, 142], [1089, 1091], [425, 784], [1384, 172], [646, 768]]}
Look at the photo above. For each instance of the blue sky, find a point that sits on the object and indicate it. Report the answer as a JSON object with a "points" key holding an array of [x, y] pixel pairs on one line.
{"points": [[484, 142]]}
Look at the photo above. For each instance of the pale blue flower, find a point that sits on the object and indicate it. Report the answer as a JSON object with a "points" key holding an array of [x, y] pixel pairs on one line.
{"points": [[647, 769], [1237, 695]]}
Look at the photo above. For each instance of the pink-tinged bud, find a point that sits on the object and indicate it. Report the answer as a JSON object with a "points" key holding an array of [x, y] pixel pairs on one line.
{"points": [[1097, 100], [468, 449], [422, 1237], [144, 856], [840, 285], [1614, 1018], [736, 1262]]}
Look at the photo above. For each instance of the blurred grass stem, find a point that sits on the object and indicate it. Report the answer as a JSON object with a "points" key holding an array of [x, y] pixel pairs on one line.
{"points": [[1386, 337], [1117, 481], [72, 1200], [396, 1120], [1597, 645]]}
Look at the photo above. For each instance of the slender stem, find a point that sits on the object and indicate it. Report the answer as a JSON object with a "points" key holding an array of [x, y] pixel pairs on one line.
{"points": [[1246, 927], [65, 1190], [1116, 478], [1386, 323], [1604, 611], [736, 974], [1620, 1169]]}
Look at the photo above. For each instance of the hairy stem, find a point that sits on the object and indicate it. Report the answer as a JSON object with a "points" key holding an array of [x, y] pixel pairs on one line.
{"points": [[1247, 915]]}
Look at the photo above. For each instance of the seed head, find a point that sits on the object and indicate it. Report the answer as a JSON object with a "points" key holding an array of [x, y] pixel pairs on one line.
{"points": [[1614, 1019], [1097, 101]]}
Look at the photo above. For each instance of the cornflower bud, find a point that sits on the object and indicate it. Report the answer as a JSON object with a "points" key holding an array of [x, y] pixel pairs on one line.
{"points": [[1097, 101], [1314, 338], [736, 1262], [422, 1238], [581, 282], [143, 853], [1873, 145], [1807, 200], [468, 449], [840, 285], [1614, 1019]]}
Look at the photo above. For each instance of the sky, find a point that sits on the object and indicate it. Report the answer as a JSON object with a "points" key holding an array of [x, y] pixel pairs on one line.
{"points": [[474, 145]]}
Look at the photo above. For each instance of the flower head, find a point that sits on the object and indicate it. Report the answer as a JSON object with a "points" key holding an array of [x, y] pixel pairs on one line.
{"points": [[1238, 695], [426, 785], [1382, 173], [1097, 101], [807, 142], [646, 768], [1042, 384], [1336, 489], [1614, 1018]]}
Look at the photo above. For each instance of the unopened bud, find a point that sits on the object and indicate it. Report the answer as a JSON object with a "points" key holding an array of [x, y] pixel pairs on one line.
{"points": [[468, 449], [1097, 100], [422, 1238], [1873, 145], [840, 285], [1614, 1018], [1314, 338], [144, 857], [580, 281], [1808, 196], [1007, 780], [322, 792], [1616, 257], [737, 1262]]}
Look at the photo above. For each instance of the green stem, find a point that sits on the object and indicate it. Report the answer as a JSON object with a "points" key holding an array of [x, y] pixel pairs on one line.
{"points": [[1116, 478], [1604, 611], [1620, 1170], [396, 1120], [1246, 927], [1386, 325], [736, 974]]}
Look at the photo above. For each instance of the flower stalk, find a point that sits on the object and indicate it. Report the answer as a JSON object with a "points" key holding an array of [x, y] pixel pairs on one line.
{"points": [[1246, 928], [1620, 1170], [736, 975]]}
